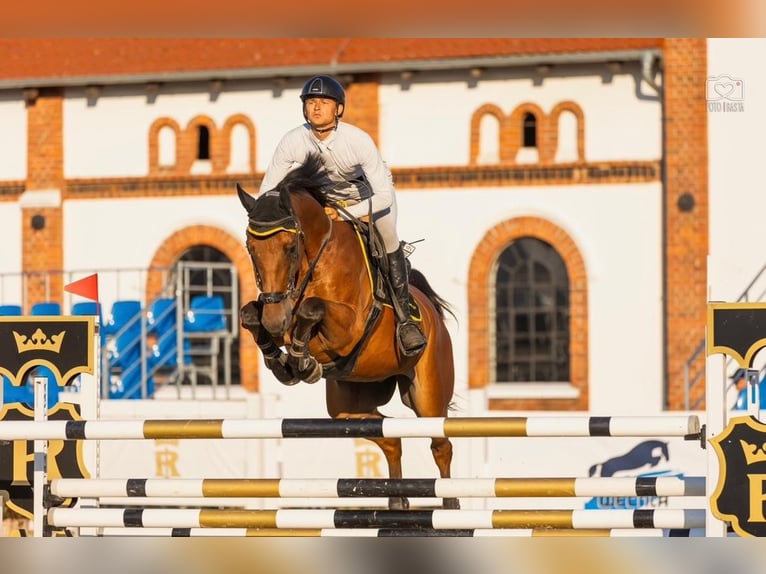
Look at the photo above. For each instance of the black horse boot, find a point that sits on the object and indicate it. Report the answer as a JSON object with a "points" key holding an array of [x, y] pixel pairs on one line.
{"points": [[408, 334]]}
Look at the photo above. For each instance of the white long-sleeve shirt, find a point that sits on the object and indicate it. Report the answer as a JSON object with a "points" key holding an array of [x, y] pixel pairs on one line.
{"points": [[350, 156]]}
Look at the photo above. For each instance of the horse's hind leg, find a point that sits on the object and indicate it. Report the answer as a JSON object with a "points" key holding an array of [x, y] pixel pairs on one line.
{"points": [[392, 450], [429, 395], [361, 401], [441, 448]]}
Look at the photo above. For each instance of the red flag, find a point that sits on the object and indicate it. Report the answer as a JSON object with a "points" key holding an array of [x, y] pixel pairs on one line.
{"points": [[86, 287]]}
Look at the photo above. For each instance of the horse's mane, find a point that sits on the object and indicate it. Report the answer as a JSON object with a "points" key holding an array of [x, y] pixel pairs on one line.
{"points": [[310, 176], [274, 207]]}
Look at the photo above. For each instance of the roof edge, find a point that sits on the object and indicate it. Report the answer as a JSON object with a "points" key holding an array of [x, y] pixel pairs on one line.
{"points": [[334, 68]]}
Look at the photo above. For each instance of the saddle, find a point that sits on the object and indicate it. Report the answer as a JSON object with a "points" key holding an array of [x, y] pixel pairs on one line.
{"points": [[375, 253]]}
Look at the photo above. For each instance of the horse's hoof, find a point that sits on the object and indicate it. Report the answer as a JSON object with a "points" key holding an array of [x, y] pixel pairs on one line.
{"points": [[282, 372]]}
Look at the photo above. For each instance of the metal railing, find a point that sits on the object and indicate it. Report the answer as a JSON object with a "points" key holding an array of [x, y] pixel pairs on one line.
{"points": [[194, 353]]}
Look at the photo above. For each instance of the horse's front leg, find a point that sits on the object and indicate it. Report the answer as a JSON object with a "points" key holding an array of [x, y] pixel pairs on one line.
{"points": [[273, 356], [307, 317]]}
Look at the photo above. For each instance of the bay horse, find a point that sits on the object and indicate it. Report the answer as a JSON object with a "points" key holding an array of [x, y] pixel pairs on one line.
{"points": [[320, 299]]}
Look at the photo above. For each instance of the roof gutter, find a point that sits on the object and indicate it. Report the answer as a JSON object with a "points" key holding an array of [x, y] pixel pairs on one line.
{"points": [[337, 69]]}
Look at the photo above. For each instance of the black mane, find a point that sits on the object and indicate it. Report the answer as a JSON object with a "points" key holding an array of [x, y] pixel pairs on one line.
{"points": [[274, 208], [311, 176]]}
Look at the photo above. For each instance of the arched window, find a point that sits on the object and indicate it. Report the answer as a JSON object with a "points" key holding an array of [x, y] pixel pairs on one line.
{"points": [[531, 314], [166, 147], [567, 144], [203, 142], [489, 140], [529, 130], [239, 160]]}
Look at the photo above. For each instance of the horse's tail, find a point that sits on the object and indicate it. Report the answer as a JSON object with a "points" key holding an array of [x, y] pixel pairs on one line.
{"points": [[417, 279]]}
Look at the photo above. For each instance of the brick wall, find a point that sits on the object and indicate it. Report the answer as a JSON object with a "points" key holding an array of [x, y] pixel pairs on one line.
{"points": [[687, 231], [42, 248], [362, 104]]}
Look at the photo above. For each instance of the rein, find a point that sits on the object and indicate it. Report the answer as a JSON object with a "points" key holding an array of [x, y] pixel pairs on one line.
{"points": [[277, 296]]}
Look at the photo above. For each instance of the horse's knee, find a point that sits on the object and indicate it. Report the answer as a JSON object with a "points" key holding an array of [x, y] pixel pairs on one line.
{"points": [[312, 310]]}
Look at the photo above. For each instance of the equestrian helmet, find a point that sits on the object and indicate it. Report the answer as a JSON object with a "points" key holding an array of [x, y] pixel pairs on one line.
{"points": [[324, 87]]}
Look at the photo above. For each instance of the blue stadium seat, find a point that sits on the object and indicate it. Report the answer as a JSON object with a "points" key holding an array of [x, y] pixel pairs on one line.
{"points": [[127, 384], [161, 316], [123, 313], [10, 310], [45, 308], [206, 314], [161, 321], [122, 332], [86, 308]]}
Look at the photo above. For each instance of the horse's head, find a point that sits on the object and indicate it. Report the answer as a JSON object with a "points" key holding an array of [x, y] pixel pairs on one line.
{"points": [[286, 233], [275, 244]]}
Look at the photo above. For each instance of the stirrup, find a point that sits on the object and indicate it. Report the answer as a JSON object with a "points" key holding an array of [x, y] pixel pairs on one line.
{"points": [[414, 350]]}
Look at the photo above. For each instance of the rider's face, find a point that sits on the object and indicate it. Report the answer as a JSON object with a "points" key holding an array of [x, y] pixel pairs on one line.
{"points": [[321, 112]]}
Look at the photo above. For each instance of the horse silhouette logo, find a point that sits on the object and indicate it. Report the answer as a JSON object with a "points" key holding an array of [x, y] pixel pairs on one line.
{"points": [[647, 453]]}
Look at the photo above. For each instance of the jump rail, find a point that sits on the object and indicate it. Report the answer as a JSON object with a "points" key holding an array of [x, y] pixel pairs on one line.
{"points": [[394, 533], [373, 487], [424, 519], [566, 426]]}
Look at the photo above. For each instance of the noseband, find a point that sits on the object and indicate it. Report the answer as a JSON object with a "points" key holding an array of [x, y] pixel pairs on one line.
{"points": [[288, 225]]}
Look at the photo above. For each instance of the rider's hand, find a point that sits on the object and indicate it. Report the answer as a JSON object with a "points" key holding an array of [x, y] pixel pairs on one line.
{"points": [[332, 213]]}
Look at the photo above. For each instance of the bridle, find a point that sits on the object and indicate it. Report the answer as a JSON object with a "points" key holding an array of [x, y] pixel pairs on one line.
{"points": [[287, 225]]}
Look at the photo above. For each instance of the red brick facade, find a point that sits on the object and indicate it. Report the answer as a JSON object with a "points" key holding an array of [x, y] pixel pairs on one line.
{"points": [[42, 248], [687, 240]]}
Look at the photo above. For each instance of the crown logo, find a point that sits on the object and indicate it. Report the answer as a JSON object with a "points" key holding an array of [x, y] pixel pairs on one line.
{"points": [[753, 453], [39, 341]]}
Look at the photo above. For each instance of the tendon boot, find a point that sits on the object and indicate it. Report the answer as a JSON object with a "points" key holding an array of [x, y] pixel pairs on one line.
{"points": [[408, 334]]}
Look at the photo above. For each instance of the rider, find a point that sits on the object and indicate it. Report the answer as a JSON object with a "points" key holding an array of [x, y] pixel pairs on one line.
{"points": [[359, 179]]}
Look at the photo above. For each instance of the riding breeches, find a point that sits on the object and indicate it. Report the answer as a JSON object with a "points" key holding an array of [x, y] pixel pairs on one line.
{"points": [[385, 222]]}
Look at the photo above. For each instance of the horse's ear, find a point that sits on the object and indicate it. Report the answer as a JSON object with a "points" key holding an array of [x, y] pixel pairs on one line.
{"points": [[247, 200]]}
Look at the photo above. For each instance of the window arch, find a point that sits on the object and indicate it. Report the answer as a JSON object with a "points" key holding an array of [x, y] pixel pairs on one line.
{"points": [[526, 134], [488, 135], [489, 140], [167, 143], [212, 244], [568, 132], [529, 130], [164, 146], [203, 142], [238, 144], [202, 153], [531, 335], [485, 264]]}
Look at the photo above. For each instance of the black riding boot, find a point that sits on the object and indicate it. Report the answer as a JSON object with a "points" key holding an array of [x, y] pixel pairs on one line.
{"points": [[410, 337]]}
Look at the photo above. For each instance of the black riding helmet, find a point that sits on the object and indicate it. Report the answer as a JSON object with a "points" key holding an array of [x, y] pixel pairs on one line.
{"points": [[324, 87]]}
